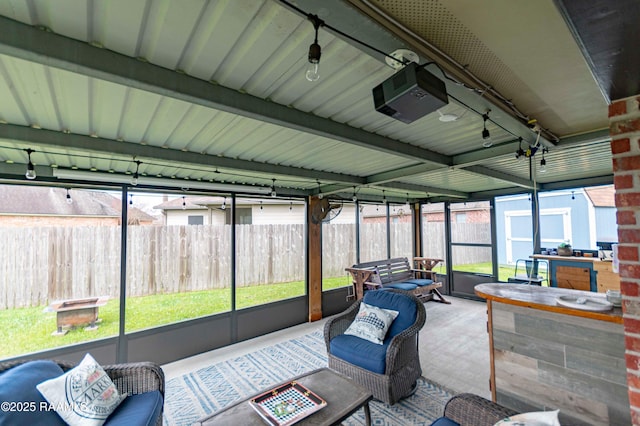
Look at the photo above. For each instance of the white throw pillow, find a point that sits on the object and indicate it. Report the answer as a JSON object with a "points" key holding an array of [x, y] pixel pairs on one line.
{"points": [[371, 323], [534, 418], [84, 395]]}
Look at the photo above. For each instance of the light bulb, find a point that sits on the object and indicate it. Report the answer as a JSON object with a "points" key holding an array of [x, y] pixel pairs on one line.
{"points": [[273, 193], [134, 180], [312, 73], [543, 166], [69, 199], [224, 205], [31, 171], [354, 198], [320, 196]]}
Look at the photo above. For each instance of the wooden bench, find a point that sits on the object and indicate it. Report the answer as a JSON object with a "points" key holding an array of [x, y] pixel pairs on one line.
{"points": [[400, 274]]}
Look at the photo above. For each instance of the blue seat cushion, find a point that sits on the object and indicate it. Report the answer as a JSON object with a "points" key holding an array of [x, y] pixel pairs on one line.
{"points": [[402, 286], [444, 421], [18, 385], [137, 410], [360, 352], [420, 281], [405, 305]]}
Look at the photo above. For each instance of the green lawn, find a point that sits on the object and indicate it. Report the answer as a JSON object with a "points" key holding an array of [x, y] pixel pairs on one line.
{"points": [[27, 330]]}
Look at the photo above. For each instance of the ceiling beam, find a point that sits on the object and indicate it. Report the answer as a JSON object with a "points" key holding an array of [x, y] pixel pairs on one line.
{"points": [[31, 44], [496, 174], [54, 139], [421, 188], [401, 173]]}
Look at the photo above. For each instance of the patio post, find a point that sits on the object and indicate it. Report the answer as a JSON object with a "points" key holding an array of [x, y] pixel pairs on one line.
{"points": [[624, 127]]}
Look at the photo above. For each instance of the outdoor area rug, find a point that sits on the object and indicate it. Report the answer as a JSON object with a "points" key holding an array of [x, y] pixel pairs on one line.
{"points": [[209, 389]]}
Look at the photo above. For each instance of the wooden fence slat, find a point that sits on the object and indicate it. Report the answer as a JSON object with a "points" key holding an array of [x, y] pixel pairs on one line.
{"points": [[42, 264]]}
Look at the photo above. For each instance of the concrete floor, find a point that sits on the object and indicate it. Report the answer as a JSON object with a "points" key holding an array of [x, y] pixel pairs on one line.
{"points": [[454, 347]]}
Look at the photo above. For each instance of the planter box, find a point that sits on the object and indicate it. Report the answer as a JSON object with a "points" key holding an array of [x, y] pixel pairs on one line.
{"points": [[565, 251]]}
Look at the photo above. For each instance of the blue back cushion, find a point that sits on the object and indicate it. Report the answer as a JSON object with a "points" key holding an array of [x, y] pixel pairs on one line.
{"points": [[398, 302], [18, 384]]}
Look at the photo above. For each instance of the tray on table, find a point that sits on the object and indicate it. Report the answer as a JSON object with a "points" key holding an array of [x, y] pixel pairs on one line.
{"points": [[286, 404]]}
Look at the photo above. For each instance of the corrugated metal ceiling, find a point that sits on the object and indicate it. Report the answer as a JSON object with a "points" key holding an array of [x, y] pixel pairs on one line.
{"points": [[98, 119]]}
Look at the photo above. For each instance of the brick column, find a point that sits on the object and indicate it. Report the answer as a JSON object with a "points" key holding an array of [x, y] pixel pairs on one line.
{"points": [[624, 126]]}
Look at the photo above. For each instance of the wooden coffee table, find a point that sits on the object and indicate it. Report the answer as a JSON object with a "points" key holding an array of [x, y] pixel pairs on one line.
{"points": [[344, 397]]}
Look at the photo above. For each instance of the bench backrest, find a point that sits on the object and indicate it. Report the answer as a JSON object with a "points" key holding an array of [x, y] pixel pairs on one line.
{"points": [[390, 270]]}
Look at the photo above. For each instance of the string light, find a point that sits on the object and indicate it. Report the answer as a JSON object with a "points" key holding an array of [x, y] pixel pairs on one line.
{"points": [[315, 51], [543, 162], [273, 189], [486, 136], [31, 170], [136, 176]]}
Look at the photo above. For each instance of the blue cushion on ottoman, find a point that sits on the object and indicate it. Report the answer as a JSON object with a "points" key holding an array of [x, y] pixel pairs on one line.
{"points": [[397, 302], [420, 281], [137, 410], [350, 348], [443, 421], [402, 286], [18, 384]]}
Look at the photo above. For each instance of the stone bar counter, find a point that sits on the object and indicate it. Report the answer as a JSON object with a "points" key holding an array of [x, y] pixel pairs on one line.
{"points": [[546, 356]]}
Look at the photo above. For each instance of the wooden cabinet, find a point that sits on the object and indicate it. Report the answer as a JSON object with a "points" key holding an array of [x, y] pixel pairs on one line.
{"points": [[573, 277], [581, 273], [605, 277]]}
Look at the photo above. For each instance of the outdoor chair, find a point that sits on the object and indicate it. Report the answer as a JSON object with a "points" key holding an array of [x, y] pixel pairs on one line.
{"points": [[527, 272], [390, 370], [472, 410], [143, 382]]}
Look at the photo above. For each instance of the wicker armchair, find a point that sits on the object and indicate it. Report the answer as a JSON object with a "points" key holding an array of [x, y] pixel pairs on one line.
{"points": [[401, 364], [131, 378], [468, 409]]}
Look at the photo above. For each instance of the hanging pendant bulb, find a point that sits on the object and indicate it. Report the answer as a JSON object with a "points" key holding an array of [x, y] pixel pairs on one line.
{"points": [[69, 199], [486, 136], [184, 203], [312, 72], [136, 176], [31, 170], [224, 204], [543, 162], [274, 194]]}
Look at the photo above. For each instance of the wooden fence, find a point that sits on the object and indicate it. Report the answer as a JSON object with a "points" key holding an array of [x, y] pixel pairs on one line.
{"points": [[42, 264]]}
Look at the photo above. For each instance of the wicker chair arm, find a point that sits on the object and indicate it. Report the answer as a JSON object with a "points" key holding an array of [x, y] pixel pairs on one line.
{"points": [[473, 410], [404, 345], [339, 323], [136, 377]]}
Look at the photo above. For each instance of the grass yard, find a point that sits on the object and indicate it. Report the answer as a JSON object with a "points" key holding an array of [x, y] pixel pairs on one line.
{"points": [[26, 330], [29, 329]]}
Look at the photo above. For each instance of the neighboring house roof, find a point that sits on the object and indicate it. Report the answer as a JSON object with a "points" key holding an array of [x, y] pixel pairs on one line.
{"points": [[36, 200], [602, 196]]}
